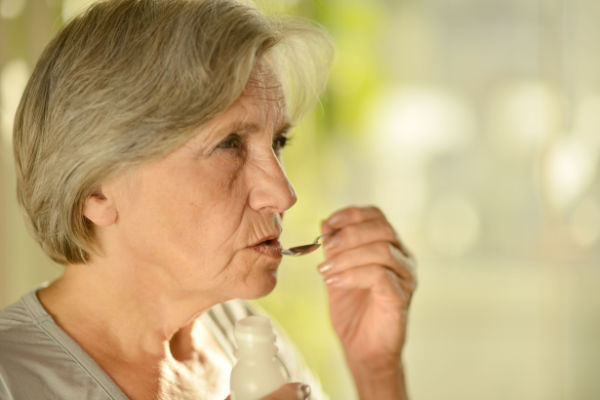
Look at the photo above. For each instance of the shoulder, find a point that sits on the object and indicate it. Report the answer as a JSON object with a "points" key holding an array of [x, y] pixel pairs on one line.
{"points": [[20, 334], [24, 350], [13, 325], [20, 339], [14, 316], [33, 364]]}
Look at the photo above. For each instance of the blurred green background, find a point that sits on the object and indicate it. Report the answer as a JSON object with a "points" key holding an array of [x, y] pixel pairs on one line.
{"points": [[474, 124]]}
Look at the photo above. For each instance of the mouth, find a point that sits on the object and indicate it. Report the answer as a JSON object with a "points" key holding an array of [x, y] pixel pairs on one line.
{"points": [[268, 246]]}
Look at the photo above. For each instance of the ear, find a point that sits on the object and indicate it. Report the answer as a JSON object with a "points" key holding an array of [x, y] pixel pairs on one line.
{"points": [[100, 209]]}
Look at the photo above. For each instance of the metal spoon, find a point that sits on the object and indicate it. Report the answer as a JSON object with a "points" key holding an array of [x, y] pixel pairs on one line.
{"points": [[306, 248]]}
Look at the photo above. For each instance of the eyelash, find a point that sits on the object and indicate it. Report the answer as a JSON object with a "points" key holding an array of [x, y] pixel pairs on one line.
{"points": [[280, 142], [234, 141]]}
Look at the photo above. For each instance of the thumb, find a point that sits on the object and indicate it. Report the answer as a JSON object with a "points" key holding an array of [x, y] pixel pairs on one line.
{"points": [[325, 227]]}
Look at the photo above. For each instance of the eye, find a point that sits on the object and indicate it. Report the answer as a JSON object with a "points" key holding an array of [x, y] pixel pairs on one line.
{"points": [[280, 142], [232, 142]]}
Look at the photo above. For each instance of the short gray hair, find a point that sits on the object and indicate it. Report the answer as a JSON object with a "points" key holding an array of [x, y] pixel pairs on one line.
{"points": [[129, 81]]}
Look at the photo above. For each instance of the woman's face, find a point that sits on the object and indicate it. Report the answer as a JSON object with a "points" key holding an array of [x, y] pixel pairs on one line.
{"points": [[197, 220]]}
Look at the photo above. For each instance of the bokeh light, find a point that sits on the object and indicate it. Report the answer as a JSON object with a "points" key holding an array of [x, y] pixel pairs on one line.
{"points": [[420, 123], [571, 169], [11, 9], [71, 8], [524, 114], [13, 78]]}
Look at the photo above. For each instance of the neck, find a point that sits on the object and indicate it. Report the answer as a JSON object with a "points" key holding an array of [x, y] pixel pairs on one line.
{"points": [[127, 313]]}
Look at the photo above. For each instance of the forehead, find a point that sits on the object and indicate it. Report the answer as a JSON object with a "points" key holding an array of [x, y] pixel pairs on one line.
{"points": [[264, 88], [262, 103]]}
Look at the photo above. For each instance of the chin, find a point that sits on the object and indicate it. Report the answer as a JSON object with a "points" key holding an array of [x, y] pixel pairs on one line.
{"points": [[253, 275], [259, 286]]}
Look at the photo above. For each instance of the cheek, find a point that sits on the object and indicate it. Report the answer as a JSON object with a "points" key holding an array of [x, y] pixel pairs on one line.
{"points": [[188, 212], [249, 276], [228, 170], [207, 188], [214, 202], [228, 188]]}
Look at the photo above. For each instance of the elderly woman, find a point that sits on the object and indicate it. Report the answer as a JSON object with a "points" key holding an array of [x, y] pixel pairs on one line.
{"points": [[148, 145]]}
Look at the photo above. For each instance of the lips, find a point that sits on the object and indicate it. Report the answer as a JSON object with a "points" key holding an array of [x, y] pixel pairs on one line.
{"points": [[268, 246], [266, 240]]}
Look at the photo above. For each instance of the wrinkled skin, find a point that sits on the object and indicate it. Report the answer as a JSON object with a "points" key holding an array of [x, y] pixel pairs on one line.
{"points": [[370, 277]]}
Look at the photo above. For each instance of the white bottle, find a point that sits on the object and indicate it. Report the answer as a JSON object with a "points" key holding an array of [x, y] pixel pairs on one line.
{"points": [[259, 370]]}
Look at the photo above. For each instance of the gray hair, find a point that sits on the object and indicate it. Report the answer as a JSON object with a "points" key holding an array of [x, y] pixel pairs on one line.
{"points": [[131, 80]]}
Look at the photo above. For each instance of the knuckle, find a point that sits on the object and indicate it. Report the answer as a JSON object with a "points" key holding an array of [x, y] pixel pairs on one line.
{"points": [[386, 228], [391, 232], [383, 225], [396, 254], [378, 212], [374, 209], [354, 212], [385, 248]]}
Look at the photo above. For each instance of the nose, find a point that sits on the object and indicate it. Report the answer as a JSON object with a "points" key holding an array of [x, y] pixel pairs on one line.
{"points": [[270, 189]]}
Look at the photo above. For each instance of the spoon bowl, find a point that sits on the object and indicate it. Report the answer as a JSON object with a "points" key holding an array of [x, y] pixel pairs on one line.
{"points": [[306, 248]]}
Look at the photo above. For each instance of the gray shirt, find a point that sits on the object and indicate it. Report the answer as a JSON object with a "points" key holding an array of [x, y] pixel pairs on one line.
{"points": [[38, 360]]}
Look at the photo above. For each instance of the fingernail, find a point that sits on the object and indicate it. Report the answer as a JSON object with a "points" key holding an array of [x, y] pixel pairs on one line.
{"points": [[332, 242], [303, 392], [336, 219], [306, 390], [325, 267], [333, 281]]}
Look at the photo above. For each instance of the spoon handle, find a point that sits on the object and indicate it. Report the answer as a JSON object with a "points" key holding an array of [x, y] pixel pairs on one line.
{"points": [[323, 236]]}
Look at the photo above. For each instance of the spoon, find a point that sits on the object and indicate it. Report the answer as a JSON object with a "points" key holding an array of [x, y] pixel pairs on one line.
{"points": [[306, 248]]}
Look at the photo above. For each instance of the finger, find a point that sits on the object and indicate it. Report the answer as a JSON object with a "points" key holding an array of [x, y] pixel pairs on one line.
{"points": [[404, 276], [353, 215], [379, 253], [358, 234], [373, 277]]}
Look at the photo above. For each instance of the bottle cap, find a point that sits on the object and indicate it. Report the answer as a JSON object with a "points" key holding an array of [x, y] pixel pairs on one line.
{"points": [[254, 328]]}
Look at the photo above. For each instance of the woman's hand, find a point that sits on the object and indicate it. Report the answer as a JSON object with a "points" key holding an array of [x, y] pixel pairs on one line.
{"points": [[370, 279], [289, 391]]}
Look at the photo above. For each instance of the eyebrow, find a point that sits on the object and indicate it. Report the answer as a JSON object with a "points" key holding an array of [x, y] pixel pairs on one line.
{"points": [[253, 127], [284, 129]]}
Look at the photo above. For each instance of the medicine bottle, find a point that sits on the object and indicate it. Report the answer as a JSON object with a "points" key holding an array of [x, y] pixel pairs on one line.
{"points": [[259, 370]]}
